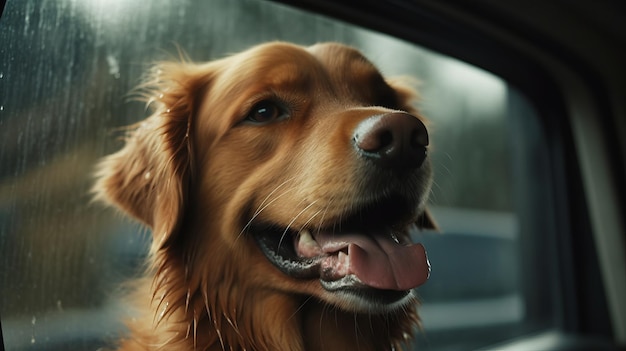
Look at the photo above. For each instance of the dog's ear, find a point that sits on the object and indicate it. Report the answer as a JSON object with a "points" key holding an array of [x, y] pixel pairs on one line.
{"points": [[149, 177]]}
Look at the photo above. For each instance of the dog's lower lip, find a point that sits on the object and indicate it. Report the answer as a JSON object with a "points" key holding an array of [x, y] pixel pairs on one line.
{"points": [[352, 284]]}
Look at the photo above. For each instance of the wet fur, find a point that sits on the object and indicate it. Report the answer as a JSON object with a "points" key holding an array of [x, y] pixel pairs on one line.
{"points": [[192, 172]]}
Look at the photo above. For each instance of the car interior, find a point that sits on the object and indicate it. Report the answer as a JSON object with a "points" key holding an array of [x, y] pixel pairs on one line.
{"points": [[528, 114]]}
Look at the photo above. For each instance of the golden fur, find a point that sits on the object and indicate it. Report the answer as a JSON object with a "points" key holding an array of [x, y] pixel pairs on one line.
{"points": [[195, 171]]}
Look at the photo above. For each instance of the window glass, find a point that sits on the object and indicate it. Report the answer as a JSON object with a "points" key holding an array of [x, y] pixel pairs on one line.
{"points": [[65, 70]]}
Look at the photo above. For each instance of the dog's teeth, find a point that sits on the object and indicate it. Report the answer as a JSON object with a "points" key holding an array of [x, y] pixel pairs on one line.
{"points": [[342, 258], [306, 245], [306, 237], [343, 263]]}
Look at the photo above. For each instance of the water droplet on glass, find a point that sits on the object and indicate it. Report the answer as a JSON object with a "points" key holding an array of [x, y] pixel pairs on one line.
{"points": [[33, 321], [114, 66]]}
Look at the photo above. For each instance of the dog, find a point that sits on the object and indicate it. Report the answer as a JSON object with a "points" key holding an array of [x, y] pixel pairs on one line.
{"points": [[281, 186]]}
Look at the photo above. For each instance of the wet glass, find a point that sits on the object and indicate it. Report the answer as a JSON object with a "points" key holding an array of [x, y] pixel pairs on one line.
{"points": [[66, 70]]}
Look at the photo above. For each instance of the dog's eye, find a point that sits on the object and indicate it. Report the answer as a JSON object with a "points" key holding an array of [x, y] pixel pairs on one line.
{"points": [[266, 112]]}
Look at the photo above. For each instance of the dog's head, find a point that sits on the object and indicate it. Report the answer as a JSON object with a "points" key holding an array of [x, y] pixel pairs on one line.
{"points": [[282, 168]]}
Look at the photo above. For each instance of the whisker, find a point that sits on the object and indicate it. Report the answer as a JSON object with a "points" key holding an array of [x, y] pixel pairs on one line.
{"points": [[263, 205], [270, 194], [442, 164], [432, 196], [292, 221], [326, 207], [356, 330], [311, 218], [321, 337], [300, 307]]}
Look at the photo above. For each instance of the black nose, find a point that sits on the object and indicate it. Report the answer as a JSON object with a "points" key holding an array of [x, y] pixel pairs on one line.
{"points": [[392, 140]]}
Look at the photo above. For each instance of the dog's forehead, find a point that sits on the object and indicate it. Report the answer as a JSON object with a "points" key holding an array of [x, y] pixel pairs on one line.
{"points": [[289, 62], [273, 66], [343, 61], [283, 68]]}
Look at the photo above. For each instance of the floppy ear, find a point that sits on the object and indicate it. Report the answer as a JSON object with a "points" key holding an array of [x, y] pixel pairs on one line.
{"points": [[149, 177]]}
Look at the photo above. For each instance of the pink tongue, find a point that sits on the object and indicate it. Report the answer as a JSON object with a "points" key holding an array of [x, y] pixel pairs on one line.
{"points": [[380, 262]]}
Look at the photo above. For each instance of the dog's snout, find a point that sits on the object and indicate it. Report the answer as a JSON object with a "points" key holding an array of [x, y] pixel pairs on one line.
{"points": [[392, 140]]}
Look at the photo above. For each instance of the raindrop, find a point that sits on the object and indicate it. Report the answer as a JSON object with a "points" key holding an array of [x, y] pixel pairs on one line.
{"points": [[33, 321], [114, 66]]}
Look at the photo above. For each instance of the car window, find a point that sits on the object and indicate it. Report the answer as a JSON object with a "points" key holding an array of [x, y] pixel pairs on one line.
{"points": [[66, 70]]}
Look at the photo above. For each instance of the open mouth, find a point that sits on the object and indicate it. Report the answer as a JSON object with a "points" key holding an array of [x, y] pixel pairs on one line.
{"points": [[368, 255]]}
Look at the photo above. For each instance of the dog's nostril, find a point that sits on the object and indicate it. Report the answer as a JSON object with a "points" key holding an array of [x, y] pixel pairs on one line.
{"points": [[419, 138], [385, 138], [374, 141], [392, 140]]}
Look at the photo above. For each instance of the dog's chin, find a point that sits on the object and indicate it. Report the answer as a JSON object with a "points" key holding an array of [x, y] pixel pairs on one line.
{"points": [[364, 263]]}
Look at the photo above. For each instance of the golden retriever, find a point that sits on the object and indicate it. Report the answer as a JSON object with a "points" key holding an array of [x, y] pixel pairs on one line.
{"points": [[281, 185]]}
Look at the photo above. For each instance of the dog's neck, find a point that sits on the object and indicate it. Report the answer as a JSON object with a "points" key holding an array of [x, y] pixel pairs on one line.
{"points": [[274, 321], [224, 312], [327, 328]]}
